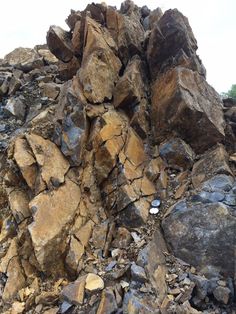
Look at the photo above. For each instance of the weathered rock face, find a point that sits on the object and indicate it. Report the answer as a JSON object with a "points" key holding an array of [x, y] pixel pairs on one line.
{"points": [[184, 104], [102, 130]]}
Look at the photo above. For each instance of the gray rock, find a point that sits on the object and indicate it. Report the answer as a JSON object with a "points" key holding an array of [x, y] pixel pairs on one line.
{"points": [[222, 294], [202, 235], [138, 273], [230, 199], [177, 153], [220, 182], [16, 107]]}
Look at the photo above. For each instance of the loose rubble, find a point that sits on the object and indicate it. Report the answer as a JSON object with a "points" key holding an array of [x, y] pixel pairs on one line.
{"points": [[117, 170]]}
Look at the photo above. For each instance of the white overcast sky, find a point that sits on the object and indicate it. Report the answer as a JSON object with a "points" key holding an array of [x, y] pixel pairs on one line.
{"points": [[25, 23]]}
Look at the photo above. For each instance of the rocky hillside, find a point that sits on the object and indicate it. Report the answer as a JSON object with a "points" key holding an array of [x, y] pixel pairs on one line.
{"points": [[117, 163]]}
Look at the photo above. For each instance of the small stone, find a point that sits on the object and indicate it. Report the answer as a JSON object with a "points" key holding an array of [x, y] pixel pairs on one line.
{"points": [[222, 294], [111, 265], [94, 282], [154, 210], [156, 203], [116, 252], [123, 238], [186, 281], [18, 307]]}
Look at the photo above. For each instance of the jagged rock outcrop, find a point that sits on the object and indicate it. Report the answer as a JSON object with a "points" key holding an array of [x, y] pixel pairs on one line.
{"points": [[117, 165]]}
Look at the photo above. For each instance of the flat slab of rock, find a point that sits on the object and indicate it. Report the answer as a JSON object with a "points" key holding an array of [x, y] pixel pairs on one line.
{"points": [[94, 282], [53, 211]]}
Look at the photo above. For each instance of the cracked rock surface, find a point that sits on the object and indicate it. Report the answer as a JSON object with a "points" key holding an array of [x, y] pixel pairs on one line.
{"points": [[117, 171]]}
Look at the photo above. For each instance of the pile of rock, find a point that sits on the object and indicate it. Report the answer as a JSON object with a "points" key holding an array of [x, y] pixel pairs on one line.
{"points": [[117, 189]]}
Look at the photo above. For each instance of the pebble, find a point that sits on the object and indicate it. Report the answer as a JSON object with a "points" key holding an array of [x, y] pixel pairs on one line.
{"points": [[156, 203], [154, 210]]}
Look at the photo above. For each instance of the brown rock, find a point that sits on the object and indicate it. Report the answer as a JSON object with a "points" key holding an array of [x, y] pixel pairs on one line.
{"points": [[53, 165], [76, 39], [25, 59], [50, 90], [212, 163], [25, 161], [108, 302], [127, 32], [74, 292], [19, 204], [94, 282], [122, 239], [59, 43], [15, 279], [46, 231], [48, 57], [75, 253], [98, 57], [73, 17], [184, 104], [69, 69], [130, 88]]}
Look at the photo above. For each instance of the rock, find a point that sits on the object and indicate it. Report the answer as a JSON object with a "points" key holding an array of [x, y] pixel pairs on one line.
{"points": [[183, 95], [98, 57], [122, 239], [177, 153], [219, 183], [172, 43], [74, 292], [53, 164], [75, 253], [94, 282], [68, 70], [212, 163], [108, 302], [48, 57], [127, 32], [24, 59], [130, 88], [18, 307], [59, 43], [50, 90], [222, 294], [138, 273], [47, 235], [25, 161], [135, 303], [153, 260], [19, 204], [202, 234], [15, 280], [152, 19], [16, 107]]}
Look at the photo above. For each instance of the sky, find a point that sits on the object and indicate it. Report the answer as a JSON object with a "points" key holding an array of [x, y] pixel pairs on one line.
{"points": [[25, 23]]}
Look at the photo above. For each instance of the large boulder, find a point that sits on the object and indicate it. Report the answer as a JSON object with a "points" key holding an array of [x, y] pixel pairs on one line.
{"points": [[172, 43], [183, 104], [59, 43], [203, 235]]}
